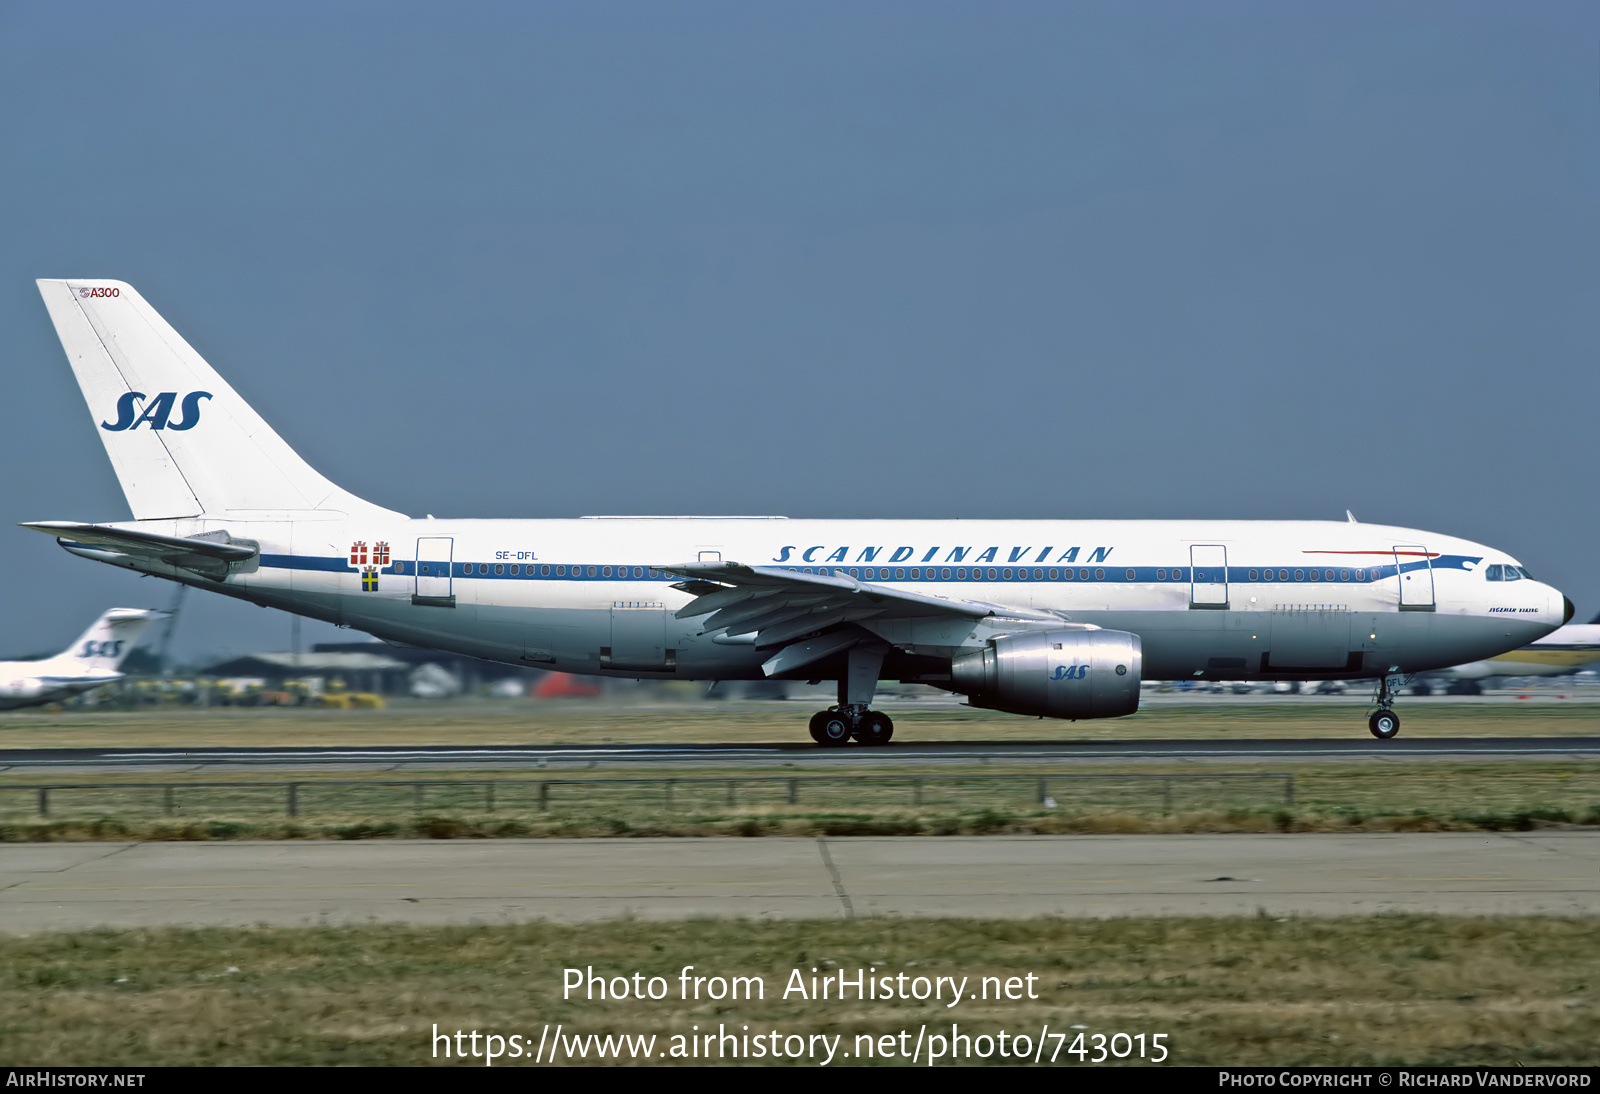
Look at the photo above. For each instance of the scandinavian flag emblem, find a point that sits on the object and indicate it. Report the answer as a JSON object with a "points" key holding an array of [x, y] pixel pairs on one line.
{"points": [[380, 553], [358, 553], [369, 579]]}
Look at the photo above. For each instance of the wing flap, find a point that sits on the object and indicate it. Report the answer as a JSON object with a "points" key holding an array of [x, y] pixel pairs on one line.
{"points": [[780, 605]]}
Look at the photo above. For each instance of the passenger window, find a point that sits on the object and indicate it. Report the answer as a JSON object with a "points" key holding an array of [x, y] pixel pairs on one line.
{"points": [[1283, 575], [944, 574], [1361, 575], [499, 569], [1038, 575], [1344, 575], [1099, 575], [1055, 575], [1006, 574], [515, 570], [591, 571], [1128, 574], [1067, 574], [1316, 575], [992, 575], [899, 574], [1083, 575], [544, 571], [1299, 575]]}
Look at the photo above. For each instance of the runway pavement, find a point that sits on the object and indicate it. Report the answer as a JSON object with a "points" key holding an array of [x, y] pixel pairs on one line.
{"points": [[83, 885], [786, 754]]}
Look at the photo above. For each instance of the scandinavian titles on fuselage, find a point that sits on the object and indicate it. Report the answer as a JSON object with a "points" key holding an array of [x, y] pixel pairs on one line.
{"points": [[930, 554]]}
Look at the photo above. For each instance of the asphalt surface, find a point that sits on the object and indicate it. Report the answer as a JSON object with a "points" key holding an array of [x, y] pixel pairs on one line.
{"points": [[788, 754], [119, 885]]}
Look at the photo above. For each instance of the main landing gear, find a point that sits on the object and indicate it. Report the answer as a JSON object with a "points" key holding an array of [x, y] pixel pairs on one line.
{"points": [[838, 726], [851, 719], [1385, 723]]}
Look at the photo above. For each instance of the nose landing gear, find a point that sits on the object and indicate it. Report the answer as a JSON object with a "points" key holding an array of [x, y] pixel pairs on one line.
{"points": [[1385, 723]]}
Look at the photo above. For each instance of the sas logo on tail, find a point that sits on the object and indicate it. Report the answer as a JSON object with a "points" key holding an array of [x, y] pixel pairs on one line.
{"points": [[157, 411], [1070, 672]]}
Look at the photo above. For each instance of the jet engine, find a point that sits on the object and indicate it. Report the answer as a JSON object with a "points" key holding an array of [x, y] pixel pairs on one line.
{"points": [[1054, 674]]}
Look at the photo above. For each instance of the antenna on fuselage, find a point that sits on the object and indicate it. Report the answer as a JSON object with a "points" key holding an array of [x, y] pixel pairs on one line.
{"points": [[1352, 517]]}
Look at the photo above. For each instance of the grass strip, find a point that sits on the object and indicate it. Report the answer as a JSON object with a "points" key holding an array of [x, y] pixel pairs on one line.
{"points": [[1384, 990], [1415, 797]]}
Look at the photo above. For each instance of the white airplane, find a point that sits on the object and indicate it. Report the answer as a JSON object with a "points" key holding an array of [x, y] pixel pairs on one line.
{"points": [[88, 663], [1053, 618], [1563, 651]]}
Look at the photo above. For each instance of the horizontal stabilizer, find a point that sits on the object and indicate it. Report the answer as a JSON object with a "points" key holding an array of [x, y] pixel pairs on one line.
{"points": [[211, 555]]}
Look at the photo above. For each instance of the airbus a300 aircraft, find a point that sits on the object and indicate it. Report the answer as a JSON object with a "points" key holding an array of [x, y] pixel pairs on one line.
{"points": [[91, 661], [1054, 618]]}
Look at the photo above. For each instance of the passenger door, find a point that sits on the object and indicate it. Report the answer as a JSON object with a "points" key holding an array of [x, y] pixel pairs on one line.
{"points": [[1208, 576], [1415, 568], [434, 582]]}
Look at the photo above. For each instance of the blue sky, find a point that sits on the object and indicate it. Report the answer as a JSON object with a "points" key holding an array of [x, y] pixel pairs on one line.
{"points": [[934, 260]]}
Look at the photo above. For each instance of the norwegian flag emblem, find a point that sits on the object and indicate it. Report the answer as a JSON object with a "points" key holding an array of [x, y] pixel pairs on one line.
{"points": [[380, 554]]}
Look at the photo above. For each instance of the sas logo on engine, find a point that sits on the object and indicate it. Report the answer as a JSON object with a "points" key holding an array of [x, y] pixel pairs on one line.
{"points": [[132, 412], [1070, 672]]}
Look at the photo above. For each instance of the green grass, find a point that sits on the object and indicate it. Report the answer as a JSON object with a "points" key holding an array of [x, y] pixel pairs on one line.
{"points": [[1368, 991], [946, 800]]}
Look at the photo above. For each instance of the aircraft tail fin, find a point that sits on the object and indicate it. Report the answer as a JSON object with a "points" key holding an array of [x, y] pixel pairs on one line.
{"points": [[183, 443], [112, 637]]}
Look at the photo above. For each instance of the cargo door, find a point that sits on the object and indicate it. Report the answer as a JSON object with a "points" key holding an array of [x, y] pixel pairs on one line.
{"points": [[638, 637], [1415, 567], [1311, 640], [435, 586], [1208, 576]]}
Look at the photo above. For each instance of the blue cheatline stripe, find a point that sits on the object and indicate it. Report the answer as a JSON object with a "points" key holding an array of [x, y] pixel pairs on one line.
{"points": [[1119, 575]]}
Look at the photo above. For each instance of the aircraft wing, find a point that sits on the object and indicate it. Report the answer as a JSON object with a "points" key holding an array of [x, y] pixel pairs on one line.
{"points": [[210, 554], [779, 605]]}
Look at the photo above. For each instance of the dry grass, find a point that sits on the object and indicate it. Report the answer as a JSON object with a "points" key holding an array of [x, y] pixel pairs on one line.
{"points": [[528, 723], [1381, 990]]}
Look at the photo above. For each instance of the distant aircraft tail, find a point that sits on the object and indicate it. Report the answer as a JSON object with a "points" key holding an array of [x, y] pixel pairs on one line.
{"points": [[183, 443], [103, 646]]}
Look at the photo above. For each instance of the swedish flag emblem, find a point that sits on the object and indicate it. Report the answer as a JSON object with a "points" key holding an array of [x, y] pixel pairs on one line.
{"points": [[369, 579]]}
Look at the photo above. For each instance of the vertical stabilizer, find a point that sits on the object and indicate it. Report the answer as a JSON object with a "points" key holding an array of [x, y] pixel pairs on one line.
{"points": [[103, 646], [183, 443]]}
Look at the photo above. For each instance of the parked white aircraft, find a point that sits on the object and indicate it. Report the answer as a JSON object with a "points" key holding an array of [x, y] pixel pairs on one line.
{"points": [[1050, 618], [90, 662]]}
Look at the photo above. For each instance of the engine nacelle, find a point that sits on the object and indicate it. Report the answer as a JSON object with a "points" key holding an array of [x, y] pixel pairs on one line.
{"points": [[1057, 674]]}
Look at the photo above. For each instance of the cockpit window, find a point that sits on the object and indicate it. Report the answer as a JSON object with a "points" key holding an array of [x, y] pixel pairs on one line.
{"points": [[1523, 570], [1494, 573]]}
